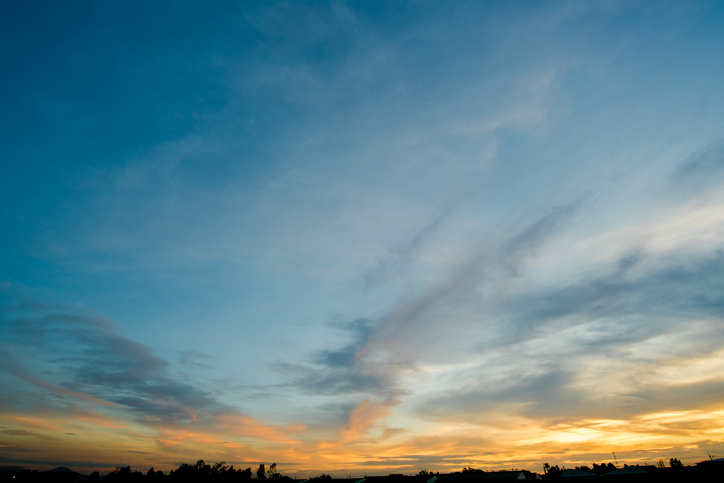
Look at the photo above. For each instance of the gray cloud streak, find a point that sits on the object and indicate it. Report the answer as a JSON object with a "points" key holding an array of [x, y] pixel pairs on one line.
{"points": [[670, 296], [371, 363], [629, 302], [90, 358]]}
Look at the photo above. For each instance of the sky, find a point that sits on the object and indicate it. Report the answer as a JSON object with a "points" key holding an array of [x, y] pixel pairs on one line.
{"points": [[361, 237]]}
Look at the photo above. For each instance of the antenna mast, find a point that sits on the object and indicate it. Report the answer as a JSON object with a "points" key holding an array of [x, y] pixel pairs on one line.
{"points": [[614, 457]]}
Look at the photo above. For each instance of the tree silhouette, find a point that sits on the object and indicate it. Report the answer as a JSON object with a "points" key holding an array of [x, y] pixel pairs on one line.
{"points": [[323, 477], [552, 471], [203, 473], [470, 469], [603, 468], [123, 474], [272, 472]]}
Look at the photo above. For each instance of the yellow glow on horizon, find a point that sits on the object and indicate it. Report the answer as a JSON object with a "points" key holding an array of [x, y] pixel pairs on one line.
{"points": [[362, 447]]}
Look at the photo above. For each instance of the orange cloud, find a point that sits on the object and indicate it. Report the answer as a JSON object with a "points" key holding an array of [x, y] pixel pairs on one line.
{"points": [[96, 419], [34, 422], [60, 390], [250, 427], [363, 417], [178, 436]]}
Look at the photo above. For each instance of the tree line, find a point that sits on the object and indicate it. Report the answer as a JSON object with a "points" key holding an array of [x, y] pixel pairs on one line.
{"points": [[198, 473], [202, 472]]}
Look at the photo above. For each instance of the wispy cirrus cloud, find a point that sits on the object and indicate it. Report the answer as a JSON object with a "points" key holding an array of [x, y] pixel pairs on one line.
{"points": [[506, 213], [75, 370], [544, 349], [94, 363]]}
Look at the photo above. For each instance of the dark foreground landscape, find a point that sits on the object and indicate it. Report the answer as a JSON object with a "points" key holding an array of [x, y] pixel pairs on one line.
{"points": [[220, 473]]}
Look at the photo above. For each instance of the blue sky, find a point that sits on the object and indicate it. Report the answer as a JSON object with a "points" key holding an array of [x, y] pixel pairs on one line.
{"points": [[361, 236]]}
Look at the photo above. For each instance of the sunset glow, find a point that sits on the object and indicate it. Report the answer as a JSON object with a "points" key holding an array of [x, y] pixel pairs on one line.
{"points": [[361, 238]]}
